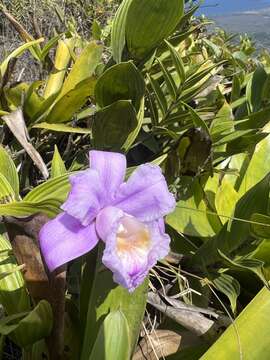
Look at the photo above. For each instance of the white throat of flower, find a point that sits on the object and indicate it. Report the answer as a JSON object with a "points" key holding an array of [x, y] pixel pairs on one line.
{"points": [[133, 238]]}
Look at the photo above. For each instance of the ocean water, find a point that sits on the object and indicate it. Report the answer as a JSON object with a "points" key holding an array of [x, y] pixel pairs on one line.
{"points": [[220, 7]]}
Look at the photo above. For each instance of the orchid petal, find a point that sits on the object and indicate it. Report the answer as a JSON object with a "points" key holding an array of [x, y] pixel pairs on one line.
{"points": [[108, 221], [86, 198], [132, 248], [145, 195], [64, 239], [111, 167]]}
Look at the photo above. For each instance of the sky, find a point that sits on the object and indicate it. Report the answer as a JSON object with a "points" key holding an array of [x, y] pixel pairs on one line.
{"points": [[229, 6]]}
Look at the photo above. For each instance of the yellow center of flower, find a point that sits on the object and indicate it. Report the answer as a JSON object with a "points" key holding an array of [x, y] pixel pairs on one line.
{"points": [[132, 235]]}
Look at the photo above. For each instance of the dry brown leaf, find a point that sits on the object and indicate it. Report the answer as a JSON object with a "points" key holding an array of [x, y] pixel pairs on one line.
{"points": [[15, 122], [192, 320], [159, 344], [17, 26]]}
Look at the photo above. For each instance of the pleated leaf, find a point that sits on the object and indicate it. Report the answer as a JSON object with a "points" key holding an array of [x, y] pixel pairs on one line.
{"points": [[228, 286], [9, 171], [149, 22], [118, 35], [120, 82], [113, 124], [56, 189], [27, 328], [13, 294]]}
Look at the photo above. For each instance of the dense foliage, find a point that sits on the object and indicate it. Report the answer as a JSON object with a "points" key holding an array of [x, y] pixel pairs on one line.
{"points": [[160, 87]]}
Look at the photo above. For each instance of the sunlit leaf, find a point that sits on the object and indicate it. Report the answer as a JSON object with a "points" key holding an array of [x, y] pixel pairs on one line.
{"points": [[144, 33], [71, 102], [9, 171], [27, 328], [113, 340], [239, 337], [58, 165]]}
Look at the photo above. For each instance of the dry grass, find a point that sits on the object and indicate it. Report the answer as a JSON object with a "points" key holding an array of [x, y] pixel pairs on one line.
{"points": [[46, 18]]}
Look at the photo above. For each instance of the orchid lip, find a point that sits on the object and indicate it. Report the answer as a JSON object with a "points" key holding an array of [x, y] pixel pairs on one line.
{"points": [[132, 236]]}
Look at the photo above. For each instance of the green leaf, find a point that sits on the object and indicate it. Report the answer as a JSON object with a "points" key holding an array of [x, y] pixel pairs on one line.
{"points": [[223, 123], [2, 112], [113, 124], [62, 128], [6, 192], [258, 167], [229, 287], [9, 171], [144, 33], [44, 108], [247, 264], [236, 134], [26, 329], [170, 84], [178, 38], [17, 268], [197, 120], [49, 45], [13, 293], [56, 189], [202, 75], [245, 143], [62, 58], [256, 120], [118, 35], [160, 97], [58, 165], [236, 88], [240, 337], [113, 340], [83, 68], [158, 161], [120, 82], [32, 100], [214, 49], [254, 89], [17, 52], [50, 207], [15, 94], [190, 216], [178, 63], [225, 200], [260, 226], [96, 30], [133, 135], [236, 232], [71, 102]]}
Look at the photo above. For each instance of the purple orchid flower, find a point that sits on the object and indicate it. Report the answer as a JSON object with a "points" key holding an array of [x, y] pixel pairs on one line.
{"points": [[127, 216]]}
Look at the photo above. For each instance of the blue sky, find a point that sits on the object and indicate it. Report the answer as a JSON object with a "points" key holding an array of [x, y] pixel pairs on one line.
{"points": [[227, 6]]}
